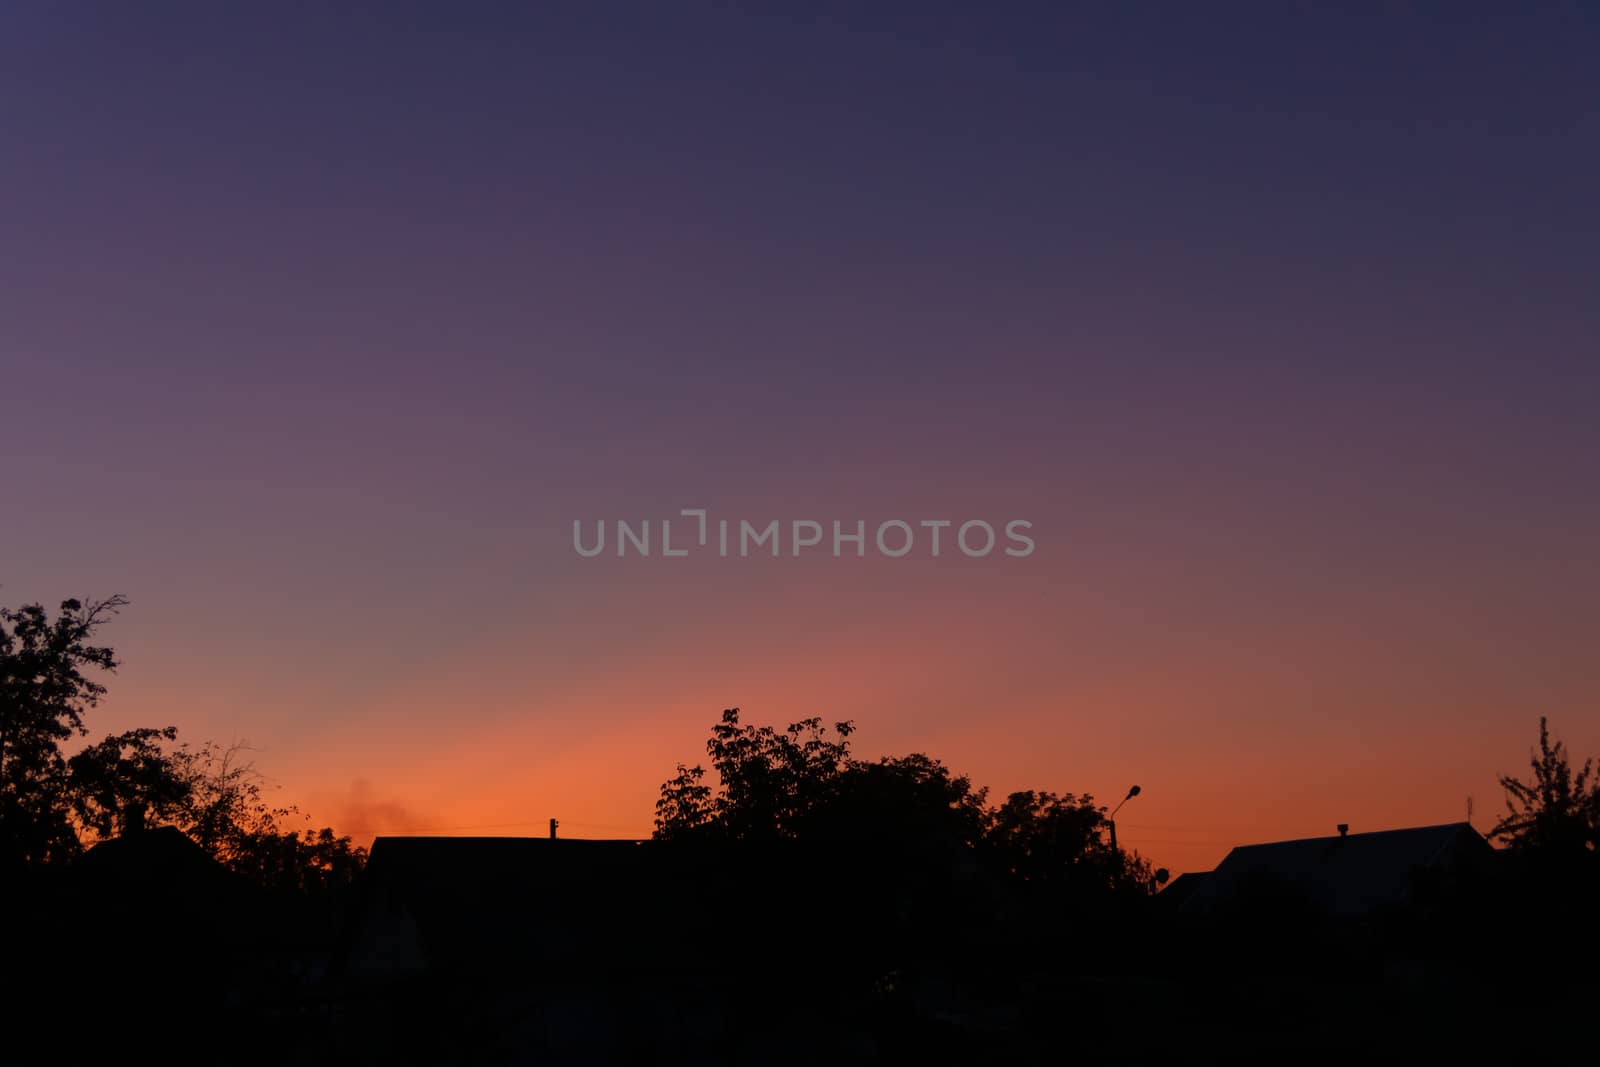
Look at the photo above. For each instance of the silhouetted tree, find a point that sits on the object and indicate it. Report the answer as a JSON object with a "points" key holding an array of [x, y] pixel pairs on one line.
{"points": [[684, 807], [1552, 865], [1554, 811], [128, 781], [910, 801], [45, 689], [51, 804], [226, 811], [768, 780], [312, 862], [802, 782], [907, 830], [1056, 843], [227, 806]]}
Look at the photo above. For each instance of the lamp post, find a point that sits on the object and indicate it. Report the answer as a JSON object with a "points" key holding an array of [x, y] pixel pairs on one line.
{"points": [[1111, 819]]}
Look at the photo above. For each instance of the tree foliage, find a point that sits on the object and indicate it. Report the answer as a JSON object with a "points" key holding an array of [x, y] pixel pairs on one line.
{"points": [[227, 812], [770, 780], [53, 804], [46, 688], [801, 782], [1053, 841], [1557, 809], [128, 781], [905, 802], [684, 807]]}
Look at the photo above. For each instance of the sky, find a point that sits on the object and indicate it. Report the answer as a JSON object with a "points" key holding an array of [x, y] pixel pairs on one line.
{"points": [[321, 325]]}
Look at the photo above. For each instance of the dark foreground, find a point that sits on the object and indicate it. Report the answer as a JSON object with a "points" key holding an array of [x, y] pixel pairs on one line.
{"points": [[623, 954]]}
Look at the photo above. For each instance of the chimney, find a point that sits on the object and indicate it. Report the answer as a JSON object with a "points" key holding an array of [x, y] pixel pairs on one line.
{"points": [[1344, 830], [553, 824]]}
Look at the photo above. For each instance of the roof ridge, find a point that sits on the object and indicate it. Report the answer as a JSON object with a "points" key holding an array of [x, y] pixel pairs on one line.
{"points": [[1365, 833]]}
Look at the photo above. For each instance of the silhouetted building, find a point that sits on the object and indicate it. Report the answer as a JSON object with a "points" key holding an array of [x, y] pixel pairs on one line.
{"points": [[1181, 888], [158, 881], [527, 907], [468, 904], [595, 950], [1342, 876]]}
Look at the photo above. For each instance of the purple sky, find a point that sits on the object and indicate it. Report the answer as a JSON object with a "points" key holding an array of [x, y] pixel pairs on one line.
{"points": [[318, 329]]}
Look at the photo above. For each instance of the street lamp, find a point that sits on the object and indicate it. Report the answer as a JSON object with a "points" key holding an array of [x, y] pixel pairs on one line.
{"points": [[1111, 819]]}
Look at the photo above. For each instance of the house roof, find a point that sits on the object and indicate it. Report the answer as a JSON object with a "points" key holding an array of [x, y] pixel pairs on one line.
{"points": [[161, 868], [475, 900], [482, 904], [1349, 875], [159, 880], [1182, 888]]}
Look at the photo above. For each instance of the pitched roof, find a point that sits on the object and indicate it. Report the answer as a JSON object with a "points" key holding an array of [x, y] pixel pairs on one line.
{"points": [[159, 890], [159, 865], [1351, 875], [468, 900], [484, 904], [1182, 888]]}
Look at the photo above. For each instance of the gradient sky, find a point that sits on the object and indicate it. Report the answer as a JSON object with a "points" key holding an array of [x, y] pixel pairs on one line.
{"points": [[318, 329]]}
